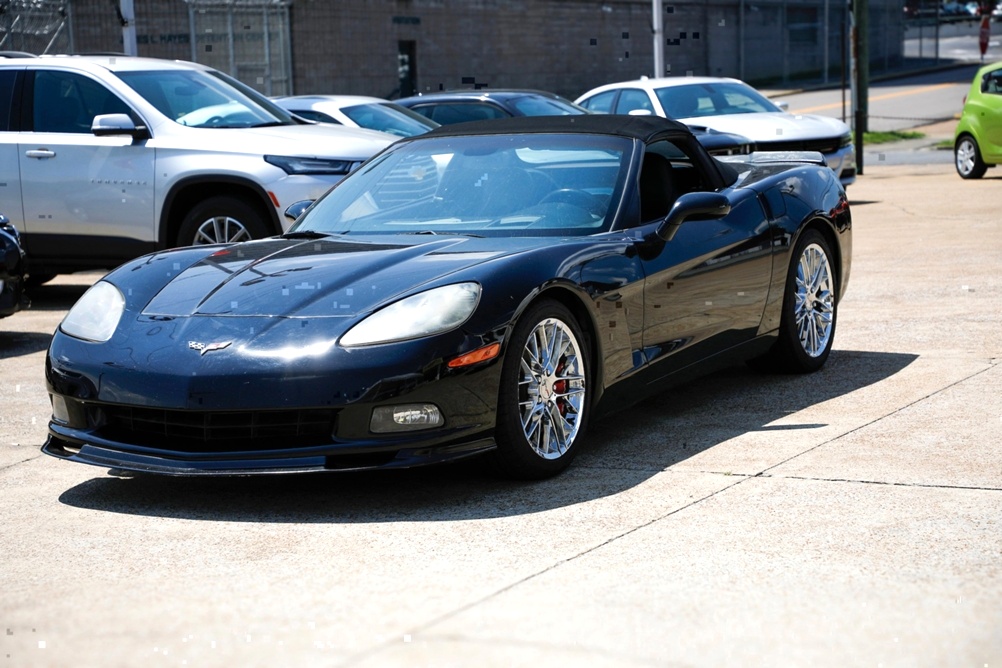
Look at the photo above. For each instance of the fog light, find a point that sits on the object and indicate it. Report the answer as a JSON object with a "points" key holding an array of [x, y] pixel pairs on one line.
{"points": [[60, 412], [408, 417]]}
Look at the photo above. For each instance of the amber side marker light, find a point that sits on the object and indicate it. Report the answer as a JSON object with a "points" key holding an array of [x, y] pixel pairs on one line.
{"points": [[478, 355]]}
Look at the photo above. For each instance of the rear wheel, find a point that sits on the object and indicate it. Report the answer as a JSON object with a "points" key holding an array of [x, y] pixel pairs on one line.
{"points": [[810, 309], [543, 399], [967, 158], [221, 220]]}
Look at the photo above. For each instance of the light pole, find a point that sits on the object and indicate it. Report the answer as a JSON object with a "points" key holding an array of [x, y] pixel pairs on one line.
{"points": [[659, 42]]}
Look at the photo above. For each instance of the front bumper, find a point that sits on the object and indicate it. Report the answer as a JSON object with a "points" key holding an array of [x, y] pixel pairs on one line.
{"points": [[843, 163], [74, 446], [146, 406]]}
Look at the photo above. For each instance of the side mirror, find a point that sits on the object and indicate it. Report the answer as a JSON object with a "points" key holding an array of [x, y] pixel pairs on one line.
{"points": [[707, 206], [11, 255], [784, 105], [296, 209], [106, 125]]}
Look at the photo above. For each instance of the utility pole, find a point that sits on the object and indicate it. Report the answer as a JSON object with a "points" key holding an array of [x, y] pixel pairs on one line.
{"points": [[861, 49], [127, 16], [658, 25]]}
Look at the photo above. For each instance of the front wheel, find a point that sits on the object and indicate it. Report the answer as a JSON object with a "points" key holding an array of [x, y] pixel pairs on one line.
{"points": [[967, 158], [543, 398], [221, 220], [810, 309]]}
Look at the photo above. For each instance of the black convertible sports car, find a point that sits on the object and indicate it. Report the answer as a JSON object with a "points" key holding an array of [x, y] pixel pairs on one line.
{"points": [[485, 287], [12, 267]]}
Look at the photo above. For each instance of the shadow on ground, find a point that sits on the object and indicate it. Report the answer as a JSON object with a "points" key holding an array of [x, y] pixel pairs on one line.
{"points": [[622, 451]]}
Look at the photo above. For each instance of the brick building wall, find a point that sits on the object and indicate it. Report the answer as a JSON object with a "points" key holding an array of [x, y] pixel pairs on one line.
{"points": [[565, 46]]}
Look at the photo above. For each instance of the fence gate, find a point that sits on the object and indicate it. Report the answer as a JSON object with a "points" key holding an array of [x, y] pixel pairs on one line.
{"points": [[248, 39]]}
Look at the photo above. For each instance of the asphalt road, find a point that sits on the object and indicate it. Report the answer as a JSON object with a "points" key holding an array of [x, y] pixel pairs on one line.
{"points": [[852, 517]]}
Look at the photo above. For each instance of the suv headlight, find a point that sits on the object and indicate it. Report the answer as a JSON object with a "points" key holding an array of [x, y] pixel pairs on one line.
{"points": [[300, 165], [95, 315], [426, 313]]}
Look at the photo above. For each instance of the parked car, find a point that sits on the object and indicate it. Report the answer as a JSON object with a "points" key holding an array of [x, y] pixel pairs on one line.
{"points": [[474, 105], [548, 270], [730, 105], [106, 158], [12, 297], [978, 137], [358, 111]]}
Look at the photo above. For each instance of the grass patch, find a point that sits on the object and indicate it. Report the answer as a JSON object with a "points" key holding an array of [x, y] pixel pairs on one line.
{"points": [[887, 137]]}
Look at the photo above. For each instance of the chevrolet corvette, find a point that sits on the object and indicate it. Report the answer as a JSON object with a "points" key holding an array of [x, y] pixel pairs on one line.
{"points": [[485, 288]]}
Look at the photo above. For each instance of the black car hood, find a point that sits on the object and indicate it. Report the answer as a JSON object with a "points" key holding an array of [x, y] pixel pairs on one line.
{"points": [[322, 277]]}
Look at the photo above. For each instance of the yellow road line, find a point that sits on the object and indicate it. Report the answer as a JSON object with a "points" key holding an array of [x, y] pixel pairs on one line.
{"points": [[887, 96]]}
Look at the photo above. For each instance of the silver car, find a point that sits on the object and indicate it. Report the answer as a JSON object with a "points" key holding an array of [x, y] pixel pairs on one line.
{"points": [[730, 105], [105, 158], [358, 111]]}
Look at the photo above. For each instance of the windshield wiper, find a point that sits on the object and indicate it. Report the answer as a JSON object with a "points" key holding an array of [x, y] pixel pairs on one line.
{"points": [[448, 234], [304, 234]]}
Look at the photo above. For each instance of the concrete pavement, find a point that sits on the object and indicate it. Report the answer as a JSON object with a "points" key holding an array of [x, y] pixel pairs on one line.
{"points": [[852, 517]]}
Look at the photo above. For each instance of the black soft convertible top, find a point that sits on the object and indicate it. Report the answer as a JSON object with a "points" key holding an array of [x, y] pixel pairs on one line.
{"points": [[643, 128]]}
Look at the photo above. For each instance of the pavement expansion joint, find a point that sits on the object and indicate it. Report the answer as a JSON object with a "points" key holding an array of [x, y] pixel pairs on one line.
{"points": [[23, 461], [888, 483]]}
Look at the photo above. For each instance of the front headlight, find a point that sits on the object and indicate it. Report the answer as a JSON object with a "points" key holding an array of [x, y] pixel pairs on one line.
{"points": [[297, 165], [95, 315], [426, 313], [846, 140]]}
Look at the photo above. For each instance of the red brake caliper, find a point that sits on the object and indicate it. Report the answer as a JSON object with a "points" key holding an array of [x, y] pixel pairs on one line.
{"points": [[561, 387]]}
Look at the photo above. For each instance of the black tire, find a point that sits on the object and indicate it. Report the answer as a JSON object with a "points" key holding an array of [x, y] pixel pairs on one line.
{"points": [[222, 219], [543, 401], [967, 158], [34, 280], [810, 310]]}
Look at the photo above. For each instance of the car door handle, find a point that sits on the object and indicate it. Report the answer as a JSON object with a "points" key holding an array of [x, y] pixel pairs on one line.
{"points": [[40, 153]]}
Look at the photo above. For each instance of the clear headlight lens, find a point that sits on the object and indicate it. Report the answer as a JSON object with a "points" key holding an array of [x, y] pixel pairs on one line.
{"points": [[426, 313], [95, 315], [300, 165]]}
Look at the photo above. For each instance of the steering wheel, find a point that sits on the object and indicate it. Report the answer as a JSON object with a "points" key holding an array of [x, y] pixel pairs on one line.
{"points": [[579, 198], [213, 122]]}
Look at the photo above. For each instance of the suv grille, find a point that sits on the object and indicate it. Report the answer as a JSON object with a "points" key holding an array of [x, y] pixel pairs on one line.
{"points": [[829, 145], [215, 431]]}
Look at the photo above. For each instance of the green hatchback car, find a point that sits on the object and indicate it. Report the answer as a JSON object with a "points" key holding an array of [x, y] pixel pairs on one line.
{"points": [[978, 139]]}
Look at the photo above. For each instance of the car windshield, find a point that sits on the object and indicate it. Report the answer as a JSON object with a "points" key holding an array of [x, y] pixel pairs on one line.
{"points": [[391, 118], [495, 185], [538, 105], [205, 99], [713, 99]]}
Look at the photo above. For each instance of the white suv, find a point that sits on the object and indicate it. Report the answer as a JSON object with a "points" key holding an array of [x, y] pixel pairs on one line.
{"points": [[105, 158]]}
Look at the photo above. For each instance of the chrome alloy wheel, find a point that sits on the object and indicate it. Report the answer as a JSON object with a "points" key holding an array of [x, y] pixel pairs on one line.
{"points": [[551, 388], [221, 229], [967, 156], [815, 300]]}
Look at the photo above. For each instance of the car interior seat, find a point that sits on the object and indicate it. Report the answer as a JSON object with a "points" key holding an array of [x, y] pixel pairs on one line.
{"points": [[657, 192]]}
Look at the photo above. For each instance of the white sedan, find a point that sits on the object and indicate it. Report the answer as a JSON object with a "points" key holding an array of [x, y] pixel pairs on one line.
{"points": [[730, 105], [358, 111]]}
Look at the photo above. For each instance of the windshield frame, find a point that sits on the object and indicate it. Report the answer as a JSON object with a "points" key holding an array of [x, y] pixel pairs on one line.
{"points": [[445, 195]]}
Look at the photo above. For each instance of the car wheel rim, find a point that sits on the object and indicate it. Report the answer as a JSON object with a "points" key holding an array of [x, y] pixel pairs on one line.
{"points": [[965, 157], [551, 389], [220, 229], [815, 301]]}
